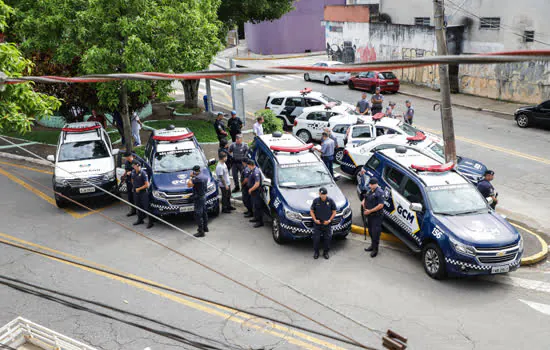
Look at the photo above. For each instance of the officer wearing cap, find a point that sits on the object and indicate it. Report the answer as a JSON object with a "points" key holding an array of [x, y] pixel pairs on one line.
{"points": [[254, 188], [408, 116], [247, 201], [140, 184], [328, 146], [219, 126], [199, 183], [322, 211], [127, 177], [373, 204], [235, 125], [239, 151], [486, 188]]}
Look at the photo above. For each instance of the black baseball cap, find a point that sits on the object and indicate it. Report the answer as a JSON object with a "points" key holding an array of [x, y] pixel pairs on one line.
{"points": [[250, 162], [197, 168], [323, 190], [373, 181], [127, 154], [135, 162], [489, 172]]}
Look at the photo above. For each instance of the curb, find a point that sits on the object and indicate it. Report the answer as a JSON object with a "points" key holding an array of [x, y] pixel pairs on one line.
{"points": [[26, 159], [455, 104], [360, 230]]}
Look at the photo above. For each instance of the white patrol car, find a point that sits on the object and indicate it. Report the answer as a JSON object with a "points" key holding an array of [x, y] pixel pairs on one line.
{"points": [[288, 105], [328, 77], [84, 159]]}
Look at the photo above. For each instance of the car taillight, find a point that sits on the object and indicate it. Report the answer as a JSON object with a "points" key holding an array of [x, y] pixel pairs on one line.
{"points": [[295, 122], [346, 152]]}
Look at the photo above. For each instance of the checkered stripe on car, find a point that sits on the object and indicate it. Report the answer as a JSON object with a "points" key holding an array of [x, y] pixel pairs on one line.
{"points": [[403, 226], [173, 207], [479, 267], [348, 164], [338, 227]]}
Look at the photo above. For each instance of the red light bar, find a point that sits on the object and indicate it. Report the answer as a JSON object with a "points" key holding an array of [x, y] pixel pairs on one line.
{"points": [[418, 137], [88, 128], [292, 149], [306, 91], [378, 116], [330, 105], [173, 138], [441, 168]]}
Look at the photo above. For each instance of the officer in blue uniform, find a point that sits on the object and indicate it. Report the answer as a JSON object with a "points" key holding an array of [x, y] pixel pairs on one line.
{"points": [[254, 189], [373, 204], [244, 187], [327, 152], [322, 211], [127, 177], [199, 183], [140, 184], [486, 188]]}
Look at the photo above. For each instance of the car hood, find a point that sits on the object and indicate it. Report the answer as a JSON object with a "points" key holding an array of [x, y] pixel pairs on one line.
{"points": [[480, 230], [300, 199], [526, 108], [471, 168], [84, 168], [172, 182]]}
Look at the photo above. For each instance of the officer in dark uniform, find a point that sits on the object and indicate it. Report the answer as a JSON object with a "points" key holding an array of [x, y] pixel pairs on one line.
{"points": [[373, 204], [235, 125], [127, 177], [199, 183], [323, 210], [140, 184], [219, 126], [254, 189], [244, 187], [486, 188]]}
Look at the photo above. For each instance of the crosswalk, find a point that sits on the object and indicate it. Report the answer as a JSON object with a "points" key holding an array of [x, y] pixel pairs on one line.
{"points": [[217, 86]]}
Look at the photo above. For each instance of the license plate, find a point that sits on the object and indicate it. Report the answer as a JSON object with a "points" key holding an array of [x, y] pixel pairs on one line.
{"points": [[186, 209], [87, 190], [500, 269], [390, 83]]}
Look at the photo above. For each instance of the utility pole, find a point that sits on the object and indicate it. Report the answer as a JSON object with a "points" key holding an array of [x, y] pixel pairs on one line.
{"points": [[232, 65], [446, 107], [125, 114]]}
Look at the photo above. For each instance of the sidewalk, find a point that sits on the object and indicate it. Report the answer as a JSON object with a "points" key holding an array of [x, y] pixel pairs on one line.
{"points": [[462, 100]]}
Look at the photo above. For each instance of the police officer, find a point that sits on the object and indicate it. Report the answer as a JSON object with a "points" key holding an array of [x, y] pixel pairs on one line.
{"points": [[254, 188], [224, 150], [127, 177], [235, 125], [486, 188], [199, 183], [239, 151], [363, 106], [408, 116], [219, 126], [140, 184], [327, 152], [323, 210], [244, 188], [373, 205], [377, 100]]}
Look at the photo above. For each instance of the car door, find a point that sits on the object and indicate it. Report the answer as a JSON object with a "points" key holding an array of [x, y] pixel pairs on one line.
{"points": [[314, 75], [293, 108], [543, 112], [267, 168], [370, 81], [339, 131], [360, 82]]}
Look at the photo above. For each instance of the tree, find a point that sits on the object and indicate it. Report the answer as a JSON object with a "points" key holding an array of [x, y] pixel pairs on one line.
{"points": [[237, 12], [20, 105]]}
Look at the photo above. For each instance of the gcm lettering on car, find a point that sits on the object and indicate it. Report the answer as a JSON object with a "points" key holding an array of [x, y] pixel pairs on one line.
{"points": [[397, 209]]}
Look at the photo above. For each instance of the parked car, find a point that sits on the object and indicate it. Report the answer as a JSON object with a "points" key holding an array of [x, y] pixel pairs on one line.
{"points": [[328, 77], [387, 81], [531, 115], [311, 123]]}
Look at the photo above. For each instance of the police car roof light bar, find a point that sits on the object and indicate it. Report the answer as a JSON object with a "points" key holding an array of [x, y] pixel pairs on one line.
{"points": [[330, 105], [440, 168], [378, 116], [306, 147], [84, 129], [418, 137], [306, 91], [173, 138]]}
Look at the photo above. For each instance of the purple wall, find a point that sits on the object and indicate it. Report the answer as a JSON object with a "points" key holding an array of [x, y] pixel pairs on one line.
{"points": [[295, 32]]}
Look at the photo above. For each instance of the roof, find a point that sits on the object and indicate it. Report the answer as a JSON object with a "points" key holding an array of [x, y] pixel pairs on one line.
{"points": [[289, 140], [295, 93], [173, 146], [386, 121]]}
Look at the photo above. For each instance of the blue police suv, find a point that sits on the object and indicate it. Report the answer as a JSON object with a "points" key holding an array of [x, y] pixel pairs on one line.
{"points": [[171, 154], [436, 211], [291, 177]]}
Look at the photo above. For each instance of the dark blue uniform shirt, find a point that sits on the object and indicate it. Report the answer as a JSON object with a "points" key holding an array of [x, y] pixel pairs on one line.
{"points": [[323, 210], [139, 178], [200, 184], [219, 125], [255, 176], [374, 198], [246, 173], [485, 188]]}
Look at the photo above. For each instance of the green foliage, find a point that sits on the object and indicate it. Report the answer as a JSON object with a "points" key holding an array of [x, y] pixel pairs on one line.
{"points": [[271, 122], [43, 136], [140, 151], [237, 12], [203, 130]]}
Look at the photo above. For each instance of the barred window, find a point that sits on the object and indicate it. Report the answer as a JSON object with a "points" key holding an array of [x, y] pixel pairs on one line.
{"points": [[422, 21], [489, 23], [529, 36]]}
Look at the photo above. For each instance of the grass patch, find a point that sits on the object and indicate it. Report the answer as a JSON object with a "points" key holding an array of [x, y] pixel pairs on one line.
{"points": [[44, 136], [180, 108], [203, 130]]}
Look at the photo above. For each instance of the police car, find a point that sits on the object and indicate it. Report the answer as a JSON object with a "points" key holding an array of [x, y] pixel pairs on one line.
{"points": [[84, 158], [291, 177], [436, 211], [290, 104], [171, 154]]}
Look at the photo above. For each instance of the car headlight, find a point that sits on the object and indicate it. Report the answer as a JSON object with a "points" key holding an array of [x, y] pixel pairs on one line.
{"points": [[346, 212], [521, 244], [292, 215], [211, 188], [158, 194], [110, 175], [463, 248], [61, 181]]}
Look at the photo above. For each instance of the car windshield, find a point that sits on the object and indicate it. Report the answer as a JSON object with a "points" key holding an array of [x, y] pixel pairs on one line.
{"points": [[180, 160], [407, 129], [351, 111], [361, 132], [331, 100], [456, 199], [387, 75], [304, 175], [82, 150], [437, 149]]}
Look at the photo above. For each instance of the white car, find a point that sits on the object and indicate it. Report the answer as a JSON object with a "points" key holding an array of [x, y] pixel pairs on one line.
{"points": [[84, 159], [359, 134], [288, 105], [328, 77], [312, 122]]}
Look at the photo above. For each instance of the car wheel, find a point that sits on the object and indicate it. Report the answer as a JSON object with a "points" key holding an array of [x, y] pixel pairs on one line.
{"points": [[304, 135], [356, 173], [522, 120], [433, 261], [327, 80], [350, 85], [276, 230], [60, 202], [339, 155], [216, 211], [306, 77]]}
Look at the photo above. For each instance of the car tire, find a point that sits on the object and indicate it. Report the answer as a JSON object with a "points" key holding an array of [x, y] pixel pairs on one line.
{"points": [[306, 77], [434, 261], [327, 80], [339, 155], [216, 211], [276, 230], [304, 135], [356, 173], [522, 120], [60, 202], [350, 85]]}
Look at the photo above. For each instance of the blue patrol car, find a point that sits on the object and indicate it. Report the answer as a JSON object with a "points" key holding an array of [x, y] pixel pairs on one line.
{"points": [[170, 155], [436, 211], [291, 177]]}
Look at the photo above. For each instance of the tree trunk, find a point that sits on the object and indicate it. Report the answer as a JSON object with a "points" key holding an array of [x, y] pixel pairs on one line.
{"points": [[191, 91], [125, 113]]}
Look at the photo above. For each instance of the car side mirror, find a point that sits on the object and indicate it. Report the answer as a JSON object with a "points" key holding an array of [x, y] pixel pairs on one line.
{"points": [[116, 151], [51, 158], [489, 200], [267, 182], [337, 177], [416, 207], [211, 161]]}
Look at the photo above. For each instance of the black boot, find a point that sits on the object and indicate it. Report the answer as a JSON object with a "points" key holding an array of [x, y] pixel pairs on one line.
{"points": [[131, 213], [236, 189], [199, 234], [325, 254], [138, 222], [369, 249], [316, 255]]}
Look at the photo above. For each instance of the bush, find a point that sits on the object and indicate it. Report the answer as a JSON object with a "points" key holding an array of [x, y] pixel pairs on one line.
{"points": [[271, 122]]}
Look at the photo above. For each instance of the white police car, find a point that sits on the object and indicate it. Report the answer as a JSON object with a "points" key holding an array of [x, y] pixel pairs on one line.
{"points": [[84, 159], [290, 104], [291, 177], [328, 77], [438, 212]]}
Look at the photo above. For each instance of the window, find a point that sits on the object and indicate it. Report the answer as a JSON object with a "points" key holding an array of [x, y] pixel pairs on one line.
{"points": [[529, 36], [277, 101], [311, 102], [178, 160], [83, 150], [545, 105], [388, 75], [394, 177], [489, 23], [361, 132], [336, 29], [294, 102], [383, 147], [362, 75], [412, 192], [340, 129], [261, 158], [422, 21], [318, 116], [370, 75], [373, 163], [267, 168]]}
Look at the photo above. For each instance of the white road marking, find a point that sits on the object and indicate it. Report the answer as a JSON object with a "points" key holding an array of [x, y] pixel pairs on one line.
{"points": [[537, 286], [542, 308], [264, 80], [274, 78], [284, 77], [345, 176], [253, 82], [213, 83]]}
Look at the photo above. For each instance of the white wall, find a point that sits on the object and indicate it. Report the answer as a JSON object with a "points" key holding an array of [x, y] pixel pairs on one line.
{"points": [[356, 34]]}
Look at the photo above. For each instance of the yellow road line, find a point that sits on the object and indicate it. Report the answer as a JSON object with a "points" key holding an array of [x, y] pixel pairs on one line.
{"points": [[27, 168], [213, 309]]}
